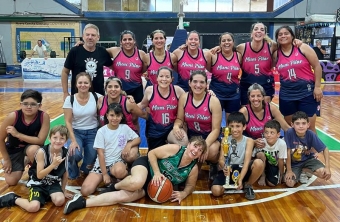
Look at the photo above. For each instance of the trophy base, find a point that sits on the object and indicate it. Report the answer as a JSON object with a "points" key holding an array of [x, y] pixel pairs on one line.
{"points": [[233, 186]]}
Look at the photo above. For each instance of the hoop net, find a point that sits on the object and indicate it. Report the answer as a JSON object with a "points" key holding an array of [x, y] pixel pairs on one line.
{"points": [[183, 2]]}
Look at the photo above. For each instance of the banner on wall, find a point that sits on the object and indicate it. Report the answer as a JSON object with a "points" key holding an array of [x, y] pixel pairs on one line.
{"points": [[40, 68]]}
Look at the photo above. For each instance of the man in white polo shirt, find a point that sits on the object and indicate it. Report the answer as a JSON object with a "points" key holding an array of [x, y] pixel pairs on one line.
{"points": [[40, 49]]}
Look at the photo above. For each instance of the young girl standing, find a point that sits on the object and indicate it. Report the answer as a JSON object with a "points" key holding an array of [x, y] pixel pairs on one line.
{"points": [[111, 143]]}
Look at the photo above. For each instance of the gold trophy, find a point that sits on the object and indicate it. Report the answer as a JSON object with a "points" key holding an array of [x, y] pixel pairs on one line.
{"points": [[225, 146]]}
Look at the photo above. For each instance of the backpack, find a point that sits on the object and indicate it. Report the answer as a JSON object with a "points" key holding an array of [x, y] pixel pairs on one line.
{"points": [[93, 93]]}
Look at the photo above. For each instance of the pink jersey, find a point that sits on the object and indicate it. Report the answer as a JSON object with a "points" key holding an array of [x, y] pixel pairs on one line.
{"points": [[198, 118], [128, 69], [186, 64], [296, 76], [127, 114], [155, 65], [256, 66], [163, 112], [224, 80], [255, 126]]}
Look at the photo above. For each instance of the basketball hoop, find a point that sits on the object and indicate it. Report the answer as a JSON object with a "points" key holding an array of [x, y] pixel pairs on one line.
{"points": [[183, 2]]}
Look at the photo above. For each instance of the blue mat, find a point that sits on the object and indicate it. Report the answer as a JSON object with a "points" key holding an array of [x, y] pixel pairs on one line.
{"points": [[10, 76]]}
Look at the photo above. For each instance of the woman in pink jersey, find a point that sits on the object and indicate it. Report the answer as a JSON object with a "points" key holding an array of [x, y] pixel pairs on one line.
{"points": [[162, 100], [113, 88], [128, 65], [198, 114], [191, 59], [158, 57], [300, 87], [258, 112], [225, 69]]}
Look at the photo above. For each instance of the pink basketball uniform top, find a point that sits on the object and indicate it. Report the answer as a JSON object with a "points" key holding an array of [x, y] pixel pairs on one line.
{"points": [[256, 66], [127, 114], [255, 126], [128, 69], [155, 65], [186, 64], [198, 118], [296, 75]]}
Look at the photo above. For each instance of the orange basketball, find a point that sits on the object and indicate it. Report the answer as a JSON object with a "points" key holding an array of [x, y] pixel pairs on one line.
{"points": [[162, 193]]}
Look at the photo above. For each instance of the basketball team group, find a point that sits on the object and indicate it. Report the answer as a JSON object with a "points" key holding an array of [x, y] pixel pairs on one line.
{"points": [[183, 121]]}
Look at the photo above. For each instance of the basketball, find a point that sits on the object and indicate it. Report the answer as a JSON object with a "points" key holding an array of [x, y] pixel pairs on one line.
{"points": [[162, 193]]}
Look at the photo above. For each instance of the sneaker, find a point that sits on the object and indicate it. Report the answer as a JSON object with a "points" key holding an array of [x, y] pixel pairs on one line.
{"points": [[110, 188], [213, 171], [78, 202], [303, 178], [250, 194], [8, 199]]}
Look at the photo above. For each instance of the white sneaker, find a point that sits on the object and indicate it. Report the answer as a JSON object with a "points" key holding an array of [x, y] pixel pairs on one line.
{"points": [[303, 178]]}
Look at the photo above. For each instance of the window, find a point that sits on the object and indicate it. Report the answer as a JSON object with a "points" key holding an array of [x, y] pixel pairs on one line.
{"points": [[25, 45], [191, 7], [113, 5], [279, 3], [224, 5], [163, 5], [206, 5]]}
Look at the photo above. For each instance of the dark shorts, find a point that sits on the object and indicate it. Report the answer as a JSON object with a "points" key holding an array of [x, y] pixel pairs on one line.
{"points": [[43, 193], [272, 173], [311, 164], [156, 142], [137, 93], [18, 159], [220, 178], [143, 161], [308, 105], [231, 105]]}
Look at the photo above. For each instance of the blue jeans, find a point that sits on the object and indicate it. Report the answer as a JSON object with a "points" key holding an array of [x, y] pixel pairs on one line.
{"points": [[85, 140]]}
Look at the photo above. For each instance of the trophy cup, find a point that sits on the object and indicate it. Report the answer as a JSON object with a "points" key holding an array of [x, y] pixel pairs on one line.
{"points": [[225, 145]]}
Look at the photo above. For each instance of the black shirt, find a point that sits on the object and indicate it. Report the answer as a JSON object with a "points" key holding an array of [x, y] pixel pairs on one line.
{"points": [[80, 60], [319, 53]]}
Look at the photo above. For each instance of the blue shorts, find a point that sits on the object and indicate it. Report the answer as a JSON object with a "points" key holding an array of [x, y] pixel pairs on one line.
{"points": [[308, 105], [231, 105]]}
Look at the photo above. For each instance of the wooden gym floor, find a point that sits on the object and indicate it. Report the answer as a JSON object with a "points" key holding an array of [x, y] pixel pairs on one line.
{"points": [[317, 200]]}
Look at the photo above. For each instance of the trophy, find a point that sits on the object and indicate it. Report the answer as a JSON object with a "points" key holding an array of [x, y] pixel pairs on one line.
{"points": [[225, 145]]}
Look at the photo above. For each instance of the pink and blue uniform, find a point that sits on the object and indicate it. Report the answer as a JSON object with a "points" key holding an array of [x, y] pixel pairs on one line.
{"points": [[127, 114], [163, 112], [255, 126], [256, 67], [128, 69], [198, 118], [296, 75], [224, 80], [186, 64], [155, 65]]}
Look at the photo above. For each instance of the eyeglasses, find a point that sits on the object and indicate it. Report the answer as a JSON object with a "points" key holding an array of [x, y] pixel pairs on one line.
{"points": [[33, 105]]}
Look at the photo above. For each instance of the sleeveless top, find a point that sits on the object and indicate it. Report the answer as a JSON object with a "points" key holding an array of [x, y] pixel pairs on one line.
{"points": [[224, 80], [13, 144], [256, 66], [255, 126], [52, 177], [169, 167], [155, 65], [198, 118], [163, 112], [237, 156], [296, 75], [127, 114], [186, 64], [128, 69]]}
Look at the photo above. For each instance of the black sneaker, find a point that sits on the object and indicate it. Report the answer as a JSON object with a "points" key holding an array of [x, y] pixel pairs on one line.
{"points": [[213, 171], [110, 188], [8, 199], [250, 194], [78, 202]]}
